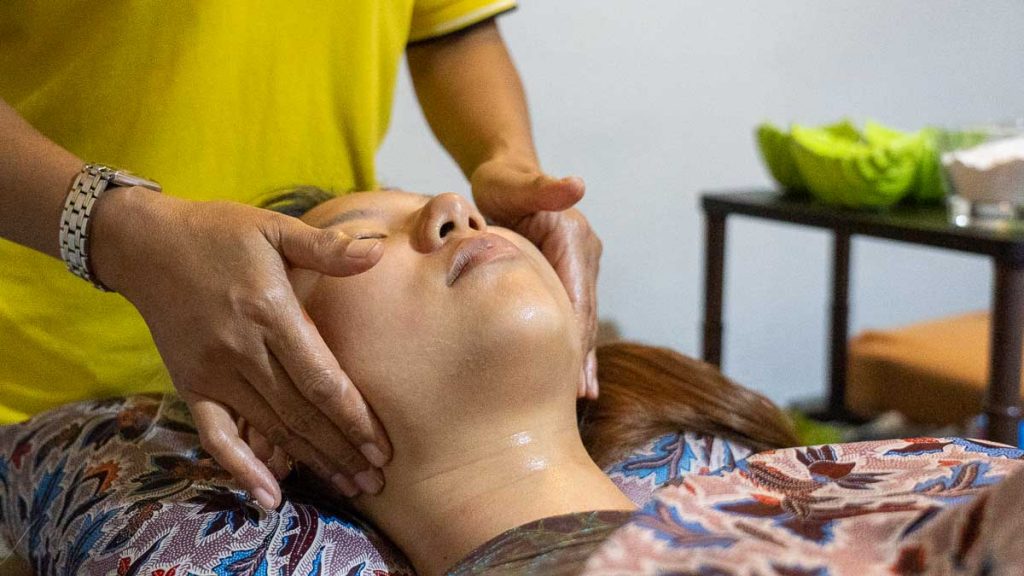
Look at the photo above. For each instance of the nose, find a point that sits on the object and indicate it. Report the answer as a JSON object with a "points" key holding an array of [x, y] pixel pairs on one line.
{"points": [[444, 217]]}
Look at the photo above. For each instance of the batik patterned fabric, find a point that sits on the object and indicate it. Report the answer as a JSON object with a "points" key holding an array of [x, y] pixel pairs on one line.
{"points": [[556, 546], [666, 460], [915, 506], [122, 487]]}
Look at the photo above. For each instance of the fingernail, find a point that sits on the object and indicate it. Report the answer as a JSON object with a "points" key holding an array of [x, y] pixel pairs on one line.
{"points": [[361, 248], [369, 482], [345, 485], [575, 180], [373, 454], [263, 498]]}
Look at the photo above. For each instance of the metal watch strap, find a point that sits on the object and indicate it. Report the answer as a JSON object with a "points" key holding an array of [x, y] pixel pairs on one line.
{"points": [[90, 183]]}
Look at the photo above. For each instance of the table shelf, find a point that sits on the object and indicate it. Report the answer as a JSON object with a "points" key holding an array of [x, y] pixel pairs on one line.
{"points": [[923, 225]]}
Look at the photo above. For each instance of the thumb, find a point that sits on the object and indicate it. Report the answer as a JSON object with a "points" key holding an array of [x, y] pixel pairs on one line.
{"points": [[508, 196], [559, 194], [328, 251]]}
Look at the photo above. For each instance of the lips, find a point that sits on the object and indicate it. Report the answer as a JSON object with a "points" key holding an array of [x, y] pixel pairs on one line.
{"points": [[476, 250]]}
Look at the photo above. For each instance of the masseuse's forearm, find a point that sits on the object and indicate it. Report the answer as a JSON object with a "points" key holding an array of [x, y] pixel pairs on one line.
{"points": [[35, 175], [472, 97]]}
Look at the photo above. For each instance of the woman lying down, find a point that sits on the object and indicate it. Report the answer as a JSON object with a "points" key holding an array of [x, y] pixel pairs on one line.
{"points": [[463, 342]]}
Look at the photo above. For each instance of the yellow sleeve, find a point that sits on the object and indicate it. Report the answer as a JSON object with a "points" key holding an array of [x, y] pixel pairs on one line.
{"points": [[434, 18]]}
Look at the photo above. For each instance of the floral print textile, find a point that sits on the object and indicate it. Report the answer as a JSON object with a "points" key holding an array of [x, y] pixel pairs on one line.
{"points": [[670, 458], [122, 487], [915, 506]]}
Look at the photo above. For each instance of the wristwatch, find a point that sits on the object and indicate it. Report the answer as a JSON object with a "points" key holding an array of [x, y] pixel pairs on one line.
{"points": [[90, 183]]}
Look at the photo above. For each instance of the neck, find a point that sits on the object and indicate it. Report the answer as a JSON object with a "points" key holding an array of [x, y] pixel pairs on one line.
{"points": [[494, 481]]}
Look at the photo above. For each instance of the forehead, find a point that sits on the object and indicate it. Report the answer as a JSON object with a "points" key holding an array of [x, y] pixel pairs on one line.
{"points": [[385, 203]]}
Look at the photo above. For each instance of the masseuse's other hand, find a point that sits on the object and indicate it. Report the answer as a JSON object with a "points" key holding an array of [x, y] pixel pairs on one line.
{"points": [[519, 196], [210, 279]]}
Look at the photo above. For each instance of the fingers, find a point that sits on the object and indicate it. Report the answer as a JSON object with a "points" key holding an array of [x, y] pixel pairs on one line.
{"points": [[587, 386], [259, 445], [581, 384], [586, 314], [574, 251], [590, 369], [328, 251], [577, 269], [310, 436], [271, 417], [210, 309], [280, 464], [345, 423], [275, 458], [218, 434], [311, 393]]}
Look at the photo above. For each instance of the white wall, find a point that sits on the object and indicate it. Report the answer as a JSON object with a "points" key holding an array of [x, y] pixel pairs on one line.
{"points": [[654, 102]]}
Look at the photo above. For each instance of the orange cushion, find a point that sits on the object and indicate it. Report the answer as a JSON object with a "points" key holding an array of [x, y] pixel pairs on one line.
{"points": [[932, 372]]}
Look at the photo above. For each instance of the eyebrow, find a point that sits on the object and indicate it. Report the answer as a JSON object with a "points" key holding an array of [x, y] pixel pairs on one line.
{"points": [[359, 213], [355, 214]]}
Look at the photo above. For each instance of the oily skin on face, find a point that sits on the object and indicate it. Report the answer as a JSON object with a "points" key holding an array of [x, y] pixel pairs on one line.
{"points": [[472, 374], [413, 340]]}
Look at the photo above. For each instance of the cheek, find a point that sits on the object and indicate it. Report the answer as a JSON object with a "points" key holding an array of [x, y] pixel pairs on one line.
{"points": [[365, 318], [541, 267], [550, 281], [532, 301]]}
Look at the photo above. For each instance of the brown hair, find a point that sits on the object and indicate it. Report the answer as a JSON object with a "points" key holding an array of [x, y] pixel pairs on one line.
{"points": [[648, 392]]}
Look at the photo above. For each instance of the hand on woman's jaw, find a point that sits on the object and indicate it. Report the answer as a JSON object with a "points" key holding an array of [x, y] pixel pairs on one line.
{"points": [[473, 379]]}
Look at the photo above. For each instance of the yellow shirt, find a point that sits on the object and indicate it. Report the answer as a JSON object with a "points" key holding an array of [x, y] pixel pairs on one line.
{"points": [[225, 99]]}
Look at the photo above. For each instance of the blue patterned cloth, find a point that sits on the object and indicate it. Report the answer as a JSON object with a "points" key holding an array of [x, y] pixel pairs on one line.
{"points": [[122, 487]]}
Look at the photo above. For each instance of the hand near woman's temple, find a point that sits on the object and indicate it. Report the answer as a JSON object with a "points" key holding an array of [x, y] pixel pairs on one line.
{"points": [[211, 281], [540, 208]]}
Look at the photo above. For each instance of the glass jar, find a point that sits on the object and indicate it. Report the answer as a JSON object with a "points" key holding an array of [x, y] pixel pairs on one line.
{"points": [[983, 170]]}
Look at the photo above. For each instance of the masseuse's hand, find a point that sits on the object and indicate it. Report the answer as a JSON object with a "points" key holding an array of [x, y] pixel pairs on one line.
{"points": [[210, 279], [519, 196]]}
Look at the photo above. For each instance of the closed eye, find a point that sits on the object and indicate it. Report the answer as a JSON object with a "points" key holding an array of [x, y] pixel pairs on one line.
{"points": [[369, 236]]}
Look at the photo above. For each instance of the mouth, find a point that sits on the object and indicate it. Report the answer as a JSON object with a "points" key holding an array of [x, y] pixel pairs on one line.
{"points": [[477, 250]]}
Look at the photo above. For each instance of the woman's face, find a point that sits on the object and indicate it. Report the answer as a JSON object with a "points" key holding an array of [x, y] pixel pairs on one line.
{"points": [[450, 298]]}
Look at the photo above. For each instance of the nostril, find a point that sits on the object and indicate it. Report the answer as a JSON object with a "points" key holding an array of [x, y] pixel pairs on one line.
{"points": [[446, 228], [474, 223]]}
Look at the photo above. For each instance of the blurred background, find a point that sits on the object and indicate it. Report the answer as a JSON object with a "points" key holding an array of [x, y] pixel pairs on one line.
{"points": [[655, 102]]}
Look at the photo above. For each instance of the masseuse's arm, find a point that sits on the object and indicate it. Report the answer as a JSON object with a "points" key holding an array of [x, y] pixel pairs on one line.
{"points": [[210, 280], [473, 99]]}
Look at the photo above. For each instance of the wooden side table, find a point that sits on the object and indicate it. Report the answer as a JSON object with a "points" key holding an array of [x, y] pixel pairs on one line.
{"points": [[916, 225]]}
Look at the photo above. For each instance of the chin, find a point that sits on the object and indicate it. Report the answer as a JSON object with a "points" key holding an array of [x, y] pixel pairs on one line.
{"points": [[522, 317], [520, 292]]}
